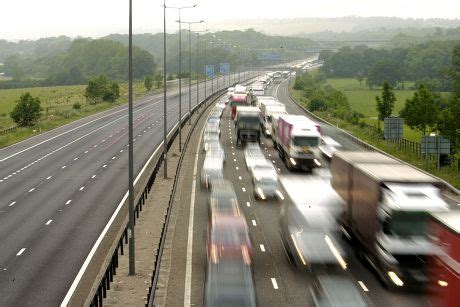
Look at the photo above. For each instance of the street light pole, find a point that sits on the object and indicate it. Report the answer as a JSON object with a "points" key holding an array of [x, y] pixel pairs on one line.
{"points": [[197, 66], [132, 262], [190, 67], [180, 70], [165, 143]]}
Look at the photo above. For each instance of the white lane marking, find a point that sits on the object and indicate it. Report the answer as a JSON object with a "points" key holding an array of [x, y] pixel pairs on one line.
{"points": [[49, 222], [262, 248], [237, 168], [21, 251], [103, 141], [134, 140], [68, 202], [269, 155], [233, 153], [363, 286], [188, 264], [113, 158], [73, 129], [273, 161], [244, 189], [94, 176], [75, 159], [240, 178], [104, 166], [49, 177], [110, 135], [11, 204], [95, 146], [254, 223], [63, 167], [274, 283], [121, 150], [31, 190], [86, 151], [248, 204], [279, 170], [81, 189], [1, 180]]}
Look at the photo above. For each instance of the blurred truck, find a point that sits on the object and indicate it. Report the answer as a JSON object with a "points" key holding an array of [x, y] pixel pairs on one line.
{"points": [[444, 268], [247, 125], [297, 141], [237, 100], [387, 213], [268, 109]]}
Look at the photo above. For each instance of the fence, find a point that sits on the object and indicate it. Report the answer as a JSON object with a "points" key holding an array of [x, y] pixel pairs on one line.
{"points": [[8, 130]]}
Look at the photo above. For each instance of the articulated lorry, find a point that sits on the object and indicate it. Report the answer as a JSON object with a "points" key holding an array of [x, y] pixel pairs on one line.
{"points": [[444, 268], [297, 141], [268, 108], [387, 213]]}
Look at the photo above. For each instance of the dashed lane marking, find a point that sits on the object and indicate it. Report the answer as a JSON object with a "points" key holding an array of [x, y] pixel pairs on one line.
{"points": [[68, 202], [363, 286], [31, 190], [262, 248], [274, 283], [11, 204], [49, 222], [21, 251], [248, 204], [94, 176], [81, 189], [254, 223]]}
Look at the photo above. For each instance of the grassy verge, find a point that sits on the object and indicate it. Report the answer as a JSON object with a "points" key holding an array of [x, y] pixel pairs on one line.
{"points": [[57, 103], [449, 174]]}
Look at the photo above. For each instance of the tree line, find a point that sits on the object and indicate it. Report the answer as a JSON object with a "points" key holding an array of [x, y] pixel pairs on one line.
{"points": [[84, 59], [427, 64], [427, 111]]}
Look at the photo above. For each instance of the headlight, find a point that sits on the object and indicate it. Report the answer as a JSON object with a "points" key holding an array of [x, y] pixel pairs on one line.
{"points": [[395, 279], [206, 146], [261, 193], [292, 161]]}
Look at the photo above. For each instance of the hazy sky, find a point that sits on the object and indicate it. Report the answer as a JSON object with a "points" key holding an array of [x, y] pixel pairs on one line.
{"points": [[41, 18]]}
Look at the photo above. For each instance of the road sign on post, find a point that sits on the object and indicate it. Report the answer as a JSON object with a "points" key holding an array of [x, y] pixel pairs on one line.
{"points": [[435, 145], [224, 68], [209, 70], [393, 128]]}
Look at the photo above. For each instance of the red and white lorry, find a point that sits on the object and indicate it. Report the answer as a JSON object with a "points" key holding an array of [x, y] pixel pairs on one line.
{"points": [[297, 141]]}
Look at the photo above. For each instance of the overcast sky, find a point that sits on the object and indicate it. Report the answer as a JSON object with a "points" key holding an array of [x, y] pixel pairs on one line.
{"points": [[21, 19]]}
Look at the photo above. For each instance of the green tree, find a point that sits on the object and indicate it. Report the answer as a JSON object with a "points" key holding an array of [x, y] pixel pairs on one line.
{"points": [[421, 112], [100, 89], [448, 122], [382, 71], [148, 82], [456, 69], [27, 110], [386, 103]]}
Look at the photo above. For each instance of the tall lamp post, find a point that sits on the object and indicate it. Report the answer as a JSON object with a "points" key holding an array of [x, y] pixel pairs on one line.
{"points": [[180, 68], [132, 267], [198, 65], [190, 66]]}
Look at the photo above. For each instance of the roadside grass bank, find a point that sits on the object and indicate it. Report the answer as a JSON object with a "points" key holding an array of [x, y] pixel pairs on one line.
{"points": [[450, 174], [58, 104]]}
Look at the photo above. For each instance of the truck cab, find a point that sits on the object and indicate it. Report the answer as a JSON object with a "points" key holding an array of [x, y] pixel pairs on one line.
{"points": [[247, 125], [237, 100]]}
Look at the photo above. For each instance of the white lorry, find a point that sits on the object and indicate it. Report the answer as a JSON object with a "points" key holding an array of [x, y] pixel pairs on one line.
{"points": [[387, 214], [297, 141]]}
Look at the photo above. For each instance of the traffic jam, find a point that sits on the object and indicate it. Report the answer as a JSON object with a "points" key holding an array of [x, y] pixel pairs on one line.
{"points": [[391, 214]]}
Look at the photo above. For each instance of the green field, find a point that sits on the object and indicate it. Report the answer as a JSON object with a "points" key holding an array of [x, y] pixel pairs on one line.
{"points": [[57, 104], [362, 100]]}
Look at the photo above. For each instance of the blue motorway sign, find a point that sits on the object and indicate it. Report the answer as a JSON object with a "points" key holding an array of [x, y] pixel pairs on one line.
{"points": [[269, 56], [224, 68], [209, 70]]}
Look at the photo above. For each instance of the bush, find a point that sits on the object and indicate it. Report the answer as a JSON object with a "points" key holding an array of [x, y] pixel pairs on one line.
{"points": [[76, 106], [27, 110], [100, 89]]}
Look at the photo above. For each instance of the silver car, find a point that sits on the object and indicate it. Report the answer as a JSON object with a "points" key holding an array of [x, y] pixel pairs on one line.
{"points": [[265, 180], [212, 171]]}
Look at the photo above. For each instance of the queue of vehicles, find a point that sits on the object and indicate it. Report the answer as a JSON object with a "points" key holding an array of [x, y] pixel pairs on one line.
{"points": [[386, 209]]}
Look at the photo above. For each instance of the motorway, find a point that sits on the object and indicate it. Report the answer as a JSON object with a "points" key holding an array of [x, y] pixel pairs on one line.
{"points": [[277, 282], [59, 189]]}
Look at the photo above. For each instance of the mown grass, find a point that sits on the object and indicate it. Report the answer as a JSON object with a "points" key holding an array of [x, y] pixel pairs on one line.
{"points": [[451, 175], [57, 104], [362, 100]]}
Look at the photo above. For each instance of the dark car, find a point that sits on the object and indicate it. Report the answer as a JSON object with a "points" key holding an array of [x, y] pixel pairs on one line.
{"points": [[229, 283], [222, 200]]}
